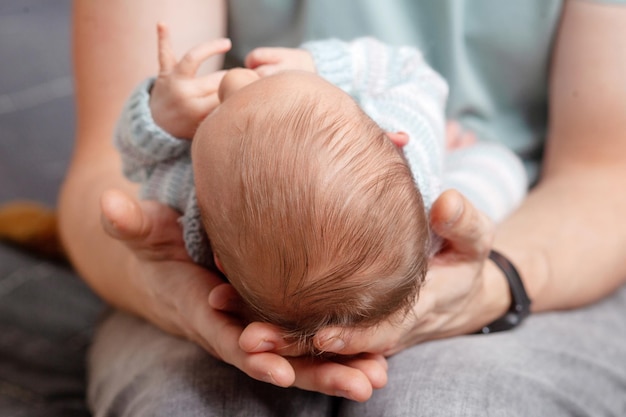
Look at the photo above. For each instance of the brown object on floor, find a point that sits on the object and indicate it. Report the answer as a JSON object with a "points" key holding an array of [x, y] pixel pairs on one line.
{"points": [[31, 226]]}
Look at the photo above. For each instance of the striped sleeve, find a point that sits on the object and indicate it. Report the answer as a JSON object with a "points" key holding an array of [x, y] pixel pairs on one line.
{"points": [[151, 156], [399, 91], [490, 175]]}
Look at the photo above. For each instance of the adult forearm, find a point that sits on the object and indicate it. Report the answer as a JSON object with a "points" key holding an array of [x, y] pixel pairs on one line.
{"points": [[567, 239], [99, 259], [115, 48]]}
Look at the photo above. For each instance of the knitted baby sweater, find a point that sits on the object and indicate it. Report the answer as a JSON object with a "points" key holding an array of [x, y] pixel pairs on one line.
{"points": [[393, 85]]}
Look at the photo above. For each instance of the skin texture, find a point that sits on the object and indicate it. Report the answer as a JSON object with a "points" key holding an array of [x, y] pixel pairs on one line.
{"points": [[576, 211]]}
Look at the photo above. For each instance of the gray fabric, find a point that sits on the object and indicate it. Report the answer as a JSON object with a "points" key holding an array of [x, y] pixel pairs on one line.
{"points": [[46, 312], [139, 371], [557, 364]]}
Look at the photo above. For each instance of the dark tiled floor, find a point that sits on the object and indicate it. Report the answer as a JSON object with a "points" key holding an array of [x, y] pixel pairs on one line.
{"points": [[46, 312]]}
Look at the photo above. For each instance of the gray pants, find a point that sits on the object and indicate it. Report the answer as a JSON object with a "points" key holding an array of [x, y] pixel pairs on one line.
{"points": [[557, 364]]}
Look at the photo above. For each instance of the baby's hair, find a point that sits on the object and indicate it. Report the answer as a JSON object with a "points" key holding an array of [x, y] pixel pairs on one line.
{"points": [[322, 224]]}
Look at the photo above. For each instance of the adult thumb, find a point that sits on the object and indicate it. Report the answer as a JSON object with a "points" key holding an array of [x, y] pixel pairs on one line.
{"points": [[465, 230], [122, 218]]}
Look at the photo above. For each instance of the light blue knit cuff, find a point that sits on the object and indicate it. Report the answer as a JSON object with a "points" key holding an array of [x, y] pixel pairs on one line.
{"points": [[143, 133]]}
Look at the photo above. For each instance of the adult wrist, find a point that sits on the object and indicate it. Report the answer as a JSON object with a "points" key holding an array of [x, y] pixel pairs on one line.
{"points": [[519, 302]]}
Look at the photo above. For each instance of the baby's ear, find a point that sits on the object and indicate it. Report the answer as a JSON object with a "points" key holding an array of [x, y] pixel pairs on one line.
{"points": [[398, 138]]}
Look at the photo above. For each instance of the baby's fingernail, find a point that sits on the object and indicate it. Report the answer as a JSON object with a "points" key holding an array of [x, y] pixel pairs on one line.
{"points": [[333, 344]]}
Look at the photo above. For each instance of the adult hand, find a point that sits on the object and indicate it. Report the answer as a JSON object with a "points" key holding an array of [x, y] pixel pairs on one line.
{"points": [[177, 292], [461, 294]]}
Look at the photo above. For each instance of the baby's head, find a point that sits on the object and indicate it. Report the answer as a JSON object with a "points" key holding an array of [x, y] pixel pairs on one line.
{"points": [[311, 211]]}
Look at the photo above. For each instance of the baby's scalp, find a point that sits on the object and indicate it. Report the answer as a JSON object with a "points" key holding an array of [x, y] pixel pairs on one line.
{"points": [[310, 208]]}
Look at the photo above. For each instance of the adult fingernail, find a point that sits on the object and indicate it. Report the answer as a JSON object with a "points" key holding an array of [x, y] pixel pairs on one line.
{"points": [[269, 378], [264, 346], [343, 394], [333, 344], [457, 211]]}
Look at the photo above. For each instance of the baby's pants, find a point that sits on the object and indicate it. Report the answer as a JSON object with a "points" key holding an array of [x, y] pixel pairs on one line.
{"points": [[556, 364]]}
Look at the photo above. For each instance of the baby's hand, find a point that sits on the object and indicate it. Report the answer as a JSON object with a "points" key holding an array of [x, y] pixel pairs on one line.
{"points": [[179, 100], [268, 61], [457, 137]]}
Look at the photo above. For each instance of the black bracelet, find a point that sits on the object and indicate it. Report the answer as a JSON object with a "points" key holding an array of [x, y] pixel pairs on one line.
{"points": [[520, 303]]}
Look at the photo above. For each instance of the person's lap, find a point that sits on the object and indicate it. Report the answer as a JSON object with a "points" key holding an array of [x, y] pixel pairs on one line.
{"points": [[137, 370], [556, 364]]}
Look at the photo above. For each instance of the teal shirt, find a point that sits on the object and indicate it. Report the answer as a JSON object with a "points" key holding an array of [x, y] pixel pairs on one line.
{"points": [[494, 54]]}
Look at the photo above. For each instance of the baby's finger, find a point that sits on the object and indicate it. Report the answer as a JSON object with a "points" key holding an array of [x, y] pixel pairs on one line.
{"points": [[191, 61], [262, 56], [167, 60], [210, 83], [206, 105], [267, 70]]}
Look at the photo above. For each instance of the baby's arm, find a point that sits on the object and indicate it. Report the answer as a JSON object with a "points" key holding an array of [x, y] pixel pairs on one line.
{"points": [[161, 112], [150, 155], [490, 175]]}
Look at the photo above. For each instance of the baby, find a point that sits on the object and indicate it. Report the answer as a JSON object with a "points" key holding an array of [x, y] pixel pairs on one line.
{"points": [[293, 190]]}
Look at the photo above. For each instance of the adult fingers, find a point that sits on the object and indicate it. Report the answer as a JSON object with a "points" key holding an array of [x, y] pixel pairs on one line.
{"points": [[467, 232], [351, 341], [225, 298], [348, 377], [265, 366], [149, 228], [122, 217], [223, 334], [265, 337], [191, 61], [331, 378], [373, 366]]}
